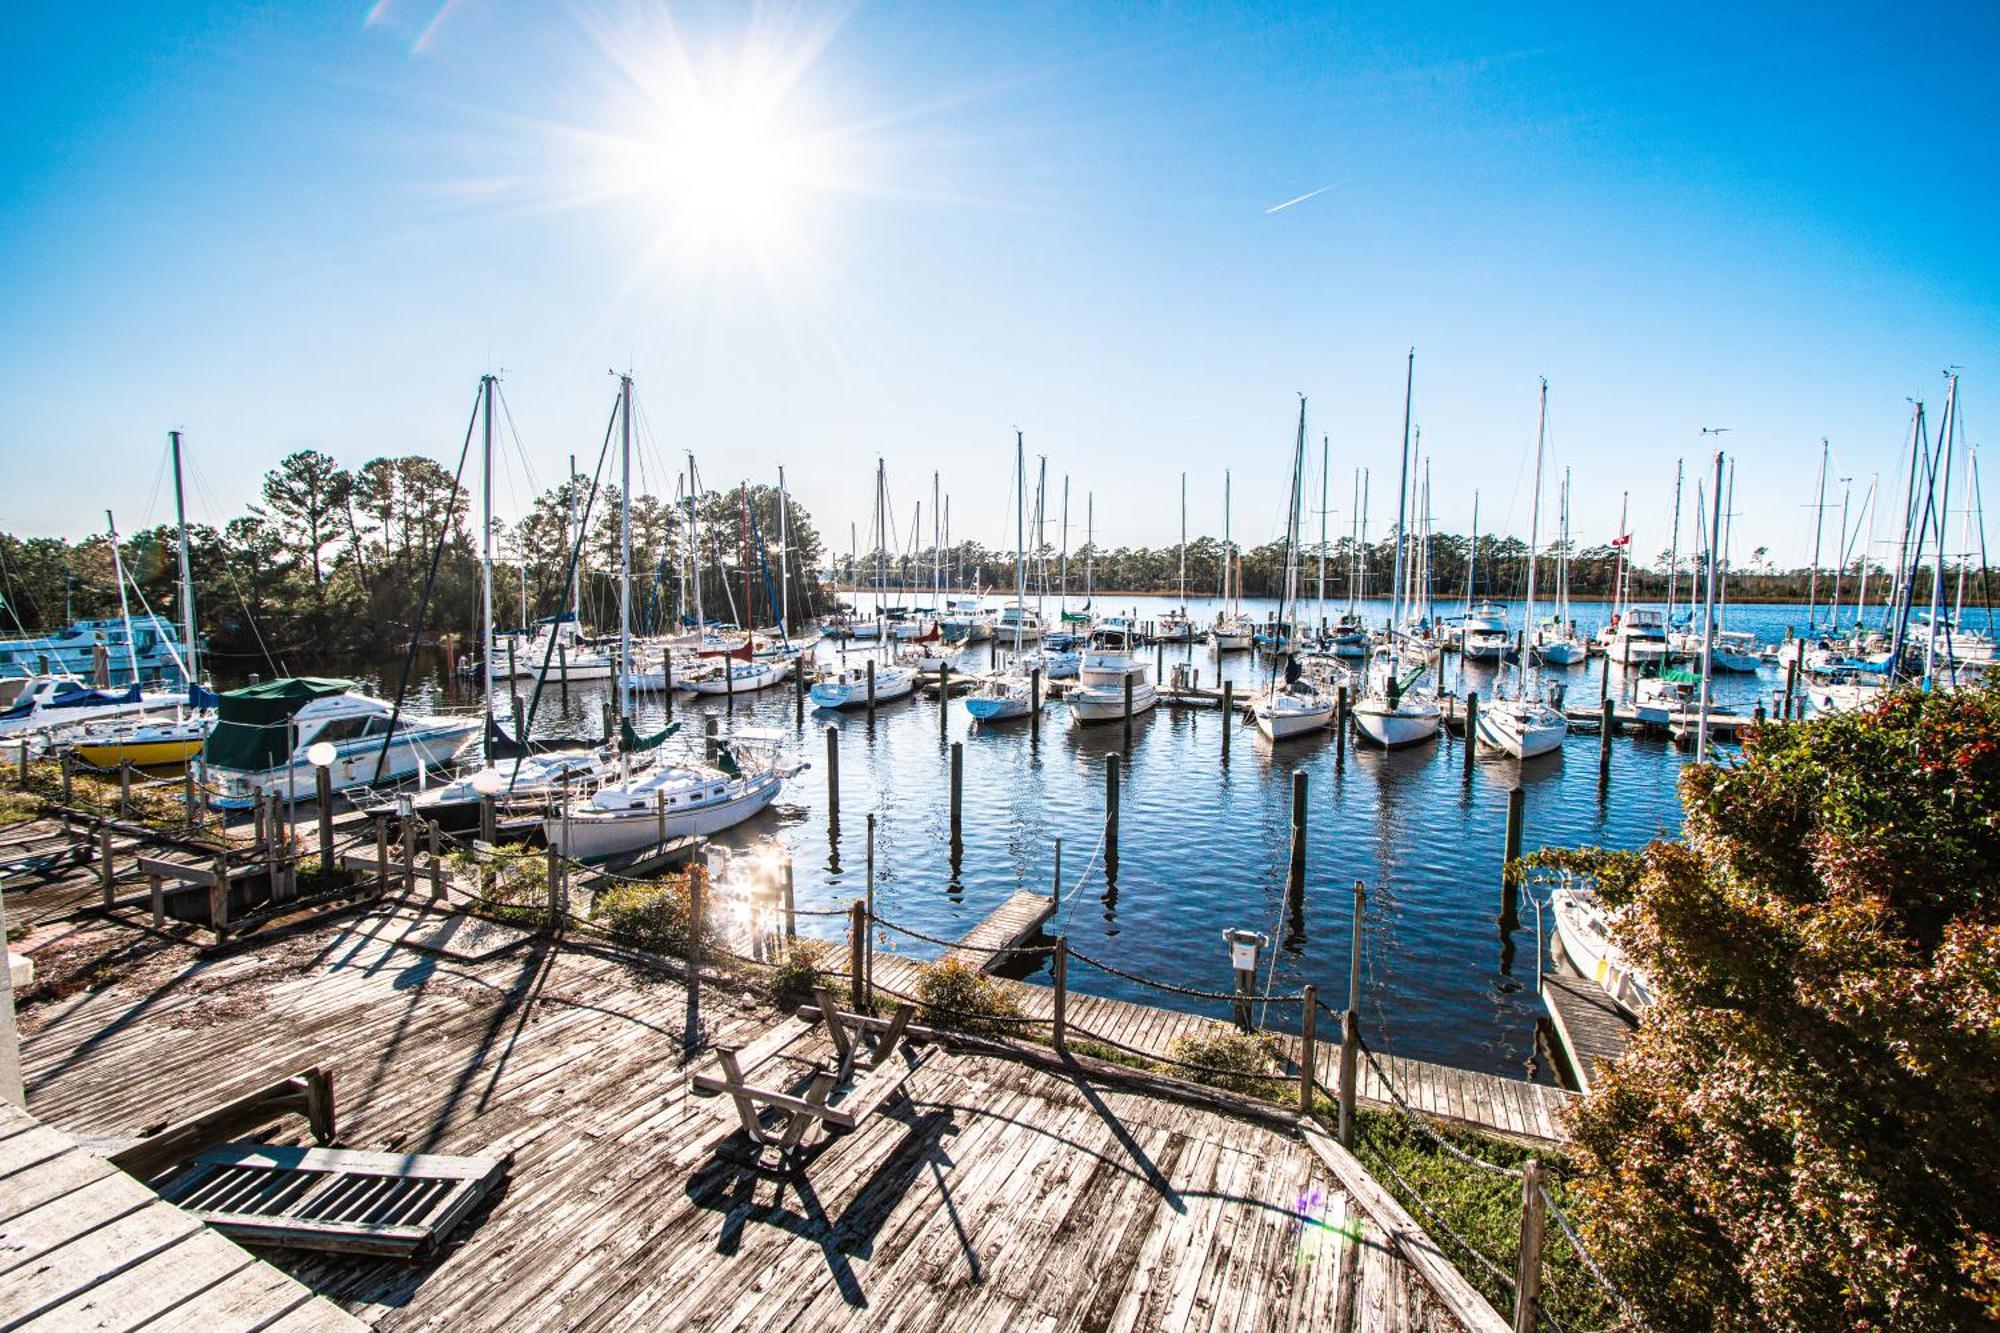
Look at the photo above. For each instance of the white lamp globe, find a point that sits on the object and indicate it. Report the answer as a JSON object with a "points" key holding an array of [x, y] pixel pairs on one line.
{"points": [[488, 782], [321, 754]]}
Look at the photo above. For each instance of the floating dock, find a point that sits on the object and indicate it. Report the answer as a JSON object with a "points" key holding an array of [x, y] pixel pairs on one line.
{"points": [[1011, 923], [1590, 1030]]}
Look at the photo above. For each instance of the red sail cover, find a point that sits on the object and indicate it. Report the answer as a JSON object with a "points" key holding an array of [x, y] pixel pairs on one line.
{"points": [[743, 653]]}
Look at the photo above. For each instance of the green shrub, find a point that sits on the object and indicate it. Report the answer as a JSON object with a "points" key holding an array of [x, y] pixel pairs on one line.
{"points": [[798, 971], [953, 994], [512, 881], [655, 917], [1228, 1058]]}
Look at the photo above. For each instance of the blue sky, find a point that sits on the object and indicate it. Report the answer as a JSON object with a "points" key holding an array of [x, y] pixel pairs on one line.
{"points": [[909, 229]]}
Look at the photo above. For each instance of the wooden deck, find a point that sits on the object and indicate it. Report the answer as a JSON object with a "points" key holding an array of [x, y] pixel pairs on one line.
{"points": [[83, 1245], [1011, 923], [1591, 1031], [998, 1196], [1486, 1102]]}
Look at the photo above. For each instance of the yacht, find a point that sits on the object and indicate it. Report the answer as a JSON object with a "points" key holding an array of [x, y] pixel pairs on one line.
{"points": [[265, 736], [1483, 634], [1637, 637], [675, 800], [1017, 624], [1107, 664], [152, 642]]}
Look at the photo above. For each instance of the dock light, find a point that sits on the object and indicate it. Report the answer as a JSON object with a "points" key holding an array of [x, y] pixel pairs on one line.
{"points": [[406, 804], [321, 754], [1244, 946], [489, 782]]}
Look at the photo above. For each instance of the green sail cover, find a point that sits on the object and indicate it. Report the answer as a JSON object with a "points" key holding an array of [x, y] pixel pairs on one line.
{"points": [[1076, 617], [1680, 676], [250, 731], [631, 742], [725, 759]]}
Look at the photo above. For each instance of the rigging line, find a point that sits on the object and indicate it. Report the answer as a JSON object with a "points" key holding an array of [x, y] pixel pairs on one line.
{"points": [[575, 554], [445, 532]]}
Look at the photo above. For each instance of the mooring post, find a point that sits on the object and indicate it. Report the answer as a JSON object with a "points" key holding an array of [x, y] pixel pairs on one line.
{"points": [[1350, 1023], [65, 760], [1111, 765], [957, 800], [1509, 891], [791, 915], [1228, 717], [711, 727], [382, 856], [105, 873], [855, 944], [1791, 684], [24, 763], [562, 666], [1061, 1024], [1128, 711], [409, 850], [1295, 889], [729, 686], [1604, 675], [323, 798], [218, 894], [1055, 882], [1308, 1050], [1034, 705], [799, 693], [604, 719], [871, 689], [1607, 727], [555, 888], [1471, 728], [437, 864], [832, 781], [1528, 1261], [667, 679], [488, 823], [944, 697], [188, 805], [868, 953], [124, 788], [519, 717]]}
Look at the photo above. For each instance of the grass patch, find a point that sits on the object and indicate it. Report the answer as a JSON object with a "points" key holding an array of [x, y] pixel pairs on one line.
{"points": [[1230, 1059]]}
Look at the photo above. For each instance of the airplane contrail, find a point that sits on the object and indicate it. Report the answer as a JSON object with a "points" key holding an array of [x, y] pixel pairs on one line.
{"points": [[1279, 208]]}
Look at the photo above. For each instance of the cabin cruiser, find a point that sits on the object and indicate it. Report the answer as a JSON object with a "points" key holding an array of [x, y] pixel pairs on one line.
{"points": [[266, 737], [1108, 663], [1731, 650], [966, 620], [1483, 635], [1017, 624], [1636, 637], [1661, 699], [1174, 627], [73, 651], [675, 800]]}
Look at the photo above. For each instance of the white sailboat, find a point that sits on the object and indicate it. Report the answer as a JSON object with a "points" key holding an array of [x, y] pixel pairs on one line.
{"points": [[1176, 626], [1524, 724], [1555, 640], [1231, 633], [1292, 704], [1010, 693], [847, 686], [1394, 710]]}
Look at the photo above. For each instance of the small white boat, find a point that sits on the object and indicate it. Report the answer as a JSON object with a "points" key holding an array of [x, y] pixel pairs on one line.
{"points": [[1107, 665], [525, 780], [1232, 635], [1391, 712], [143, 740], [1523, 728], [1002, 697], [1174, 627], [1583, 927], [731, 676], [1660, 700], [1637, 637], [1285, 710], [59, 701], [671, 801], [1017, 624], [265, 735], [1485, 645], [847, 687]]}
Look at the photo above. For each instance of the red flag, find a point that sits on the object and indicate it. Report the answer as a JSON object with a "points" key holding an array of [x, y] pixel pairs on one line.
{"points": [[1622, 541]]}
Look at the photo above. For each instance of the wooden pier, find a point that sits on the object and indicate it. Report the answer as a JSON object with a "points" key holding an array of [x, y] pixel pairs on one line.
{"points": [[83, 1245], [1585, 721], [1012, 923], [1591, 1031]]}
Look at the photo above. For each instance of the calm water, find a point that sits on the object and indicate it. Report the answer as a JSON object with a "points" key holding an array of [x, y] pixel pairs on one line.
{"points": [[1204, 847]]}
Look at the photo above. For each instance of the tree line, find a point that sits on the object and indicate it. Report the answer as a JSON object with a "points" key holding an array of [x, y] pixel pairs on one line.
{"points": [[330, 565]]}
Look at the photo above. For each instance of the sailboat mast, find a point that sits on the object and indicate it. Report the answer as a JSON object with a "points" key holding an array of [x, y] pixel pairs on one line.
{"points": [[187, 569], [575, 538], [1403, 495], [485, 562], [694, 550], [1041, 535], [937, 549], [124, 607], [1325, 454], [625, 546], [1228, 556], [1534, 539], [1062, 593], [784, 555], [1020, 538], [1728, 525], [1183, 551], [1288, 600], [1089, 547], [1948, 429], [1819, 527], [1708, 615], [1361, 555], [1674, 547], [1841, 546], [1472, 556]]}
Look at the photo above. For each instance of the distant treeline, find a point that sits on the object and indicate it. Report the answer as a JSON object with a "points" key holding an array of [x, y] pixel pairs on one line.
{"points": [[331, 565], [1501, 571]]}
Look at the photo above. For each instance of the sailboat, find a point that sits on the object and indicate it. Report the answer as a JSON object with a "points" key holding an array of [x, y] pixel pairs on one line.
{"points": [[1523, 724], [1555, 641], [1393, 710], [1232, 632], [1482, 629], [1348, 636], [663, 801], [847, 686], [1291, 705], [1010, 693], [1176, 626]]}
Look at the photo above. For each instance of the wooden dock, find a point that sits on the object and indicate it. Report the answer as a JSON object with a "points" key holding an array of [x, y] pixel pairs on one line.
{"points": [[1586, 720], [83, 1245], [1590, 1029], [1000, 1194], [1012, 923], [1489, 1103]]}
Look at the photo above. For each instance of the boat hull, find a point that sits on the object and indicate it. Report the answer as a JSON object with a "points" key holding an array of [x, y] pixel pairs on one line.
{"points": [[842, 694], [1524, 737], [1394, 728], [354, 766], [1090, 707], [110, 754], [586, 835], [1281, 724]]}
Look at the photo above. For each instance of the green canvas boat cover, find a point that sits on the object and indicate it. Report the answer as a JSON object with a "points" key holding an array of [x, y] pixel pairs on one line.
{"points": [[1680, 676], [631, 742], [250, 731]]}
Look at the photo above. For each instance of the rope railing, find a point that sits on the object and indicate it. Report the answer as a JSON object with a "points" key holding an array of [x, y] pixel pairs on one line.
{"points": [[913, 933], [1249, 997], [1410, 1114], [1629, 1316], [1077, 1032]]}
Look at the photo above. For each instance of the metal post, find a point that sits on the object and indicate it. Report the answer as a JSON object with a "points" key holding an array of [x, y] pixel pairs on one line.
{"points": [[1061, 1026], [1308, 1050], [1528, 1261], [488, 822], [1350, 1023], [323, 797]]}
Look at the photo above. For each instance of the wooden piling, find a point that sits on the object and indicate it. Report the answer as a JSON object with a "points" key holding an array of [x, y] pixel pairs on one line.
{"points": [[1528, 1260], [1034, 705], [488, 821], [799, 693], [1111, 763], [409, 852], [124, 788], [1516, 816], [832, 780], [1308, 1050], [1471, 728], [437, 863], [218, 894], [1060, 1024], [1791, 685], [323, 798], [382, 857], [67, 762], [554, 922], [1295, 887], [729, 685], [791, 911], [710, 729], [1228, 717], [856, 942], [520, 718], [24, 763], [1607, 727], [1604, 675], [106, 874], [667, 679], [1128, 711], [944, 697], [871, 689], [604, 718], [1350, 1023], [562, 666], [957, 800]]}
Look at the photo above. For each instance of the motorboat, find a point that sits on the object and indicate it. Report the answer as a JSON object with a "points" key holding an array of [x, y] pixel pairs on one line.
{"points": [[675, 800], [267, 735], [1583, 927], [149, 641], [1017, 624], [1636, 637], [1109, 662], [847, 687], [1661, 699]]}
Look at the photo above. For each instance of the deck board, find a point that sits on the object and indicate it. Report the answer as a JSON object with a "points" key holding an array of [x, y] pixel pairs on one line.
{"points": [[1590, 1028]]}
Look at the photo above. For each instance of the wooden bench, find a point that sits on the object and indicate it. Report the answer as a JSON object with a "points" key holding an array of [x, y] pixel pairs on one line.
{"points": [[836, 1098]]}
